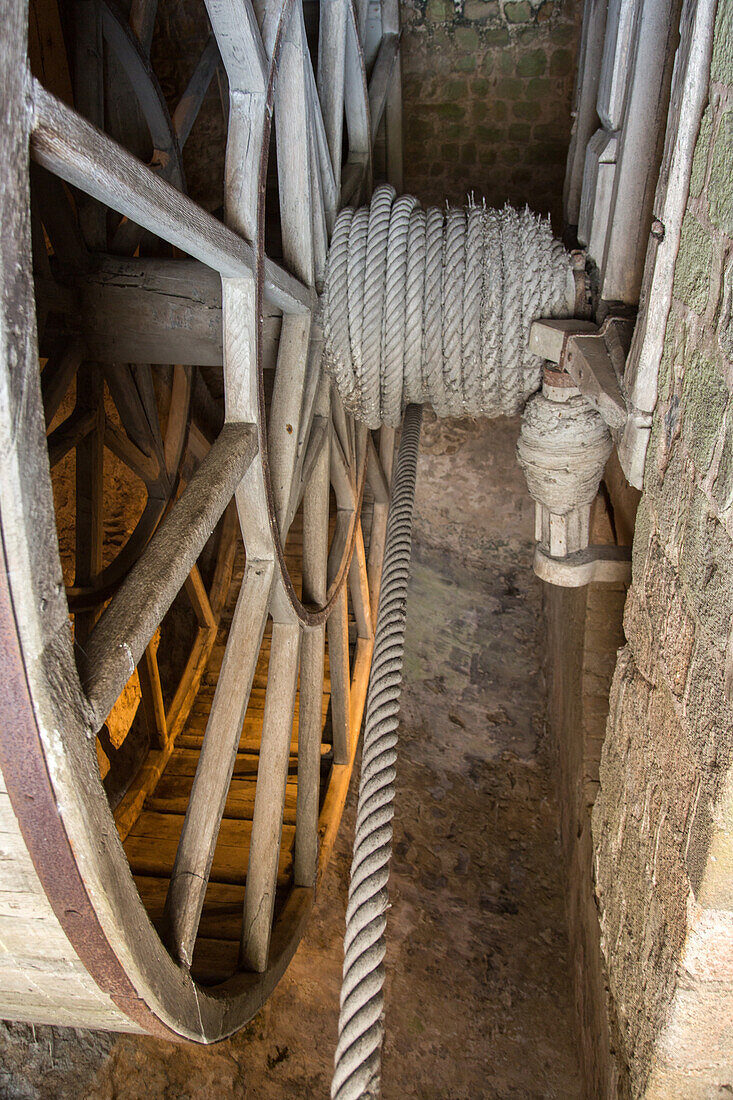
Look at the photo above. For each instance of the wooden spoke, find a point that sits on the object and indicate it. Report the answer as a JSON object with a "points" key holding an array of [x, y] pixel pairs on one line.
{"points": [[196, 846], [89, 489], [82, 422], [338, 660], [58, 374], [381, 80], [152, 698], [341, 474], [189, 105], [142, 21], [129, 622], [376, 476], [89, 100], [331, 62], [142, 465], [315, 555], [264, 850], [379, 521], [285, 411], [359, 588]]}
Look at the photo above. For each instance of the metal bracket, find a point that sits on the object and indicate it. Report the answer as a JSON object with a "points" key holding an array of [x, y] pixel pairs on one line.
{"points": [[594, 565], [592, 357]]}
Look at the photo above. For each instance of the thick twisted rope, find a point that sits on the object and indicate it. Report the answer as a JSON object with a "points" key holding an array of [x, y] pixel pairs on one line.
{"points": [[436, 307], [358, 1054]]}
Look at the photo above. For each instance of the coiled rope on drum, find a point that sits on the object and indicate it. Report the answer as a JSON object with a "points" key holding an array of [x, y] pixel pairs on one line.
{"points": [[435, 307]]}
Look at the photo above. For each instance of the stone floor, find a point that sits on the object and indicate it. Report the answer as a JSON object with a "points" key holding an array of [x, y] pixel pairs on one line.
{"points": [[478, 993]]}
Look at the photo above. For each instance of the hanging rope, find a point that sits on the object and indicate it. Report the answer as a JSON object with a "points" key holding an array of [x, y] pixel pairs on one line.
{"points": [[435, 307], [358, 1054]]}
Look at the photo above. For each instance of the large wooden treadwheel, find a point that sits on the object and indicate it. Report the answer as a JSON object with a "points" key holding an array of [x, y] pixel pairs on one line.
{"points": [[177, 913]]}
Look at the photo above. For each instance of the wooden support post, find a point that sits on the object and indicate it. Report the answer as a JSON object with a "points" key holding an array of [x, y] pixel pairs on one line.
{"points": [[338, 661]]}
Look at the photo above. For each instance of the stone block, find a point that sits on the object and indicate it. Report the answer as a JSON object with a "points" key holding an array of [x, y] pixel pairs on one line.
{"points": [[438, 11], [540, 88], [700, 158], [561, 63], [719, 191], [466, 64], [518, 131], [509, 88], [533, 63], [466, 39], [480, 11], [722, 488], [495, 36], [518, 11], [692, 271], [524, 110], [704, 400], [721, 68], [454, 91]]}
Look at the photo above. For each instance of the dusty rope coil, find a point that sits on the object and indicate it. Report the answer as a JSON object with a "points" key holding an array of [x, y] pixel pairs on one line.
{"points": [[358, 1054], [436, 306]]}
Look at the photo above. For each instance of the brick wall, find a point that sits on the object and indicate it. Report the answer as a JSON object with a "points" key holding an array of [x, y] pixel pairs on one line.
{"points": [[663, 820], [487, 90]]}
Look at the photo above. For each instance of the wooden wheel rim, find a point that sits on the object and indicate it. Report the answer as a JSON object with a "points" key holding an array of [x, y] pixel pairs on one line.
{"points": [[46, 728]]}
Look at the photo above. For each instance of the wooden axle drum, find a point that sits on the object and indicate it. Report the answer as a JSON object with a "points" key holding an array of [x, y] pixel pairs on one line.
{"points": [[192, 527]]}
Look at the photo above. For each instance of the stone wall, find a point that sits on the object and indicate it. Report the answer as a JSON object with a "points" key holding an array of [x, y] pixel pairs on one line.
{"points": [[663, 820], [487, 90]]}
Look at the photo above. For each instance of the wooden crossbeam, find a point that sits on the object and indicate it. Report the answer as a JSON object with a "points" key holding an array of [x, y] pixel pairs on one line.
{"points": [[117, 643], [70, 147]]}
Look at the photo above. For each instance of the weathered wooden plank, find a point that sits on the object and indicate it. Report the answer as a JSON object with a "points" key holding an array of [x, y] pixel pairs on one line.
{"points": [[584, 104], [267, 827], [70, 147], [617, 54], [133, 615], [687, 103], [237, 32], [152, 846], [173, 793], [640, 151], [331, 61]]}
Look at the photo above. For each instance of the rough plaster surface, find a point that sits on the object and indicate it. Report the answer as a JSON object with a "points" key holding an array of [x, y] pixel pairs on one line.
{"points": [[487, 94], [663, 821], [479, 1001]]}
